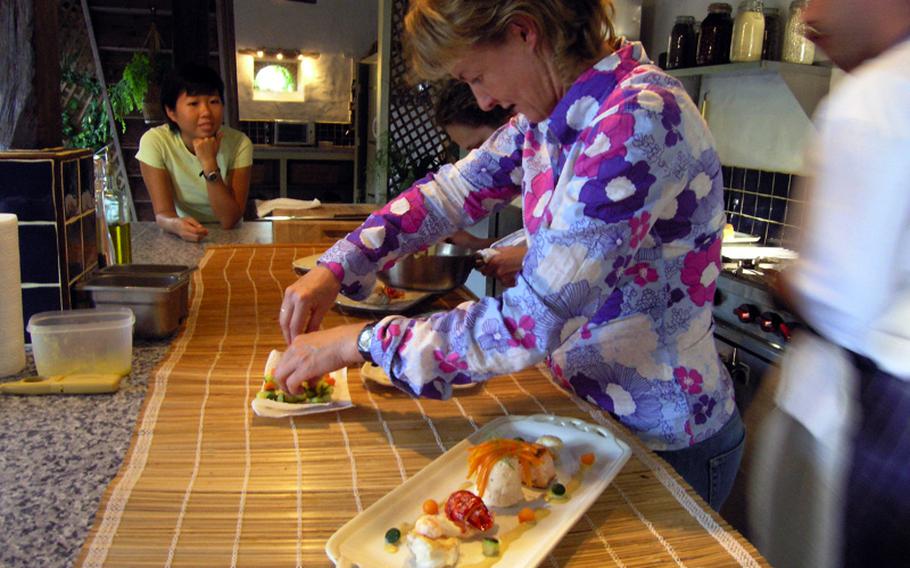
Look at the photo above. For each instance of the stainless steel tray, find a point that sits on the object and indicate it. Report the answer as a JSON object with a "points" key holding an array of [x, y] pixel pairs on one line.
{"points": [[159, 302]]}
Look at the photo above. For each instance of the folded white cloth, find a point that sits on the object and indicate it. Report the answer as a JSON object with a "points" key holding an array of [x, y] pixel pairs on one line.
{"points": [[519, 237], [263, 208]]}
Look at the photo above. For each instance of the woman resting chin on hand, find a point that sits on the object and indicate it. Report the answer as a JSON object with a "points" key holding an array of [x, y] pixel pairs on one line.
{"points": [[196, 170]]}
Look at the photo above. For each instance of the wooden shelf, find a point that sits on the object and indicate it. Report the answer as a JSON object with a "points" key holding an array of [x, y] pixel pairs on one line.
{"points": [[752, 68], [808, 83]]}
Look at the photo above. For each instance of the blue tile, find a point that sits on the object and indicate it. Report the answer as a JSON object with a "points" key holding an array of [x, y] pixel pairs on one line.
{"points": [[749, 204], [38, 259], [70, 174], [763, 207], [765, 182], [26, 189], [759, 228], [736, 181], [782, 185], [36, 300], [778, 210], [774, 232], [751, 181], [74, 260]]}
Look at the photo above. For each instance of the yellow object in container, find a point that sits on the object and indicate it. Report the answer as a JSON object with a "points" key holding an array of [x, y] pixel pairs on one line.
{"points": [[748, 32], [74, 342], [64, 384]]}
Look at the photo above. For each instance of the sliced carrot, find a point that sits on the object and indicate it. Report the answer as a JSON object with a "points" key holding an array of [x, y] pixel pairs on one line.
{"points": [[430, 507], [269, 386], [329, 381], [526, 515], [587, 459]]}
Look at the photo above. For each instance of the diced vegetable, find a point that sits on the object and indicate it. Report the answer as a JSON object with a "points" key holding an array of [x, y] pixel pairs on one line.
{"points": [[526, 515], [392, 536], [490, 547], [587, 459], [269, 386], [558, 490], [262, 394], [430, 507]]}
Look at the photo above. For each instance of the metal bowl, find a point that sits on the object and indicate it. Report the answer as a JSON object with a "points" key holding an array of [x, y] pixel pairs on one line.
{"points": [[442, 268]]}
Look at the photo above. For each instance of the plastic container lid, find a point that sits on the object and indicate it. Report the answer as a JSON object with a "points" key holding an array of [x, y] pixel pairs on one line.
{"points": [[67, 321]]}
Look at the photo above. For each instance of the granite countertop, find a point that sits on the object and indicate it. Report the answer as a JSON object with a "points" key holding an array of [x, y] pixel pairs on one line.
{"points": [[59, 453]]}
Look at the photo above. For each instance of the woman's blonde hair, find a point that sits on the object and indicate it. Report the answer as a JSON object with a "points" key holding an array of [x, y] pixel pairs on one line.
{"points": [[437, 32]]}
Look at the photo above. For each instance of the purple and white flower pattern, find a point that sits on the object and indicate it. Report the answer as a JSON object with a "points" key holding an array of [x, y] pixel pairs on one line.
{"points": [[623, 167]]}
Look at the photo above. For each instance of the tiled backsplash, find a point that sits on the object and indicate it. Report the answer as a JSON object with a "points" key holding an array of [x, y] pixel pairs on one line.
{"points": [[52, 194], [761, 203], [263, 132]]}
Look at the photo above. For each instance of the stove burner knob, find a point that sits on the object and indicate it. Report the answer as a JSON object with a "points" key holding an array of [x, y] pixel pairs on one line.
{"points": [[786, 330], [746, 313], [770, 322]]}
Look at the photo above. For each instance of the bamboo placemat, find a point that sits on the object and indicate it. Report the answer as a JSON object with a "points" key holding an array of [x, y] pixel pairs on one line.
{"points": [[207, 483]]}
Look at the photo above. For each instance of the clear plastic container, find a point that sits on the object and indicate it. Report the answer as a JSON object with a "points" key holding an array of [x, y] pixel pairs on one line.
{"points": [[98, 340]]}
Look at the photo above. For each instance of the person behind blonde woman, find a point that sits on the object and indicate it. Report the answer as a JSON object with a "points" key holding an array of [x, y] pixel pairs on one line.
{"points": [[623, 209], [196, 169], [468, 126], [831, 484]]}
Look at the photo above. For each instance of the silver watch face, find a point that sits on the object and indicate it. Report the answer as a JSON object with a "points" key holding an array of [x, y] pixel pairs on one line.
{"points": [[365, 338]]}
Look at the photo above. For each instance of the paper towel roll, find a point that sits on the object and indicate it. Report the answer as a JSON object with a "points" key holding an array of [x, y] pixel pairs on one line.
{"points": [[12, 342]]}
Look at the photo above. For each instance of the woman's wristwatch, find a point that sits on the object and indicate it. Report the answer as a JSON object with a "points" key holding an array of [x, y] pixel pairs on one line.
{"points": [[212, 175], [364, 339]]}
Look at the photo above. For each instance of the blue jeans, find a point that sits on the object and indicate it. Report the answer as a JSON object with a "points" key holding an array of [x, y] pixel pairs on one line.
{"points": [[711, 465]]}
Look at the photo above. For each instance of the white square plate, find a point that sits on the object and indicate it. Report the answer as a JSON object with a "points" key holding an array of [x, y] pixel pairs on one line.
{"points": [[360, 542]]}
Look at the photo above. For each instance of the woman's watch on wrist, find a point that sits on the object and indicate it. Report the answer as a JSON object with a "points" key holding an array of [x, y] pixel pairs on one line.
{"points": [[364, 340], [212, 175]]}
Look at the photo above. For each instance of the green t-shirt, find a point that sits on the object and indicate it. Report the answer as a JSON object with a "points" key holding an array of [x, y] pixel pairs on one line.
{"points": [[160, 147]]}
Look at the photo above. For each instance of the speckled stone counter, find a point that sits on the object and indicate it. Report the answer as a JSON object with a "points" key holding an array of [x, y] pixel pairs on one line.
{"points": [[58, 453]]}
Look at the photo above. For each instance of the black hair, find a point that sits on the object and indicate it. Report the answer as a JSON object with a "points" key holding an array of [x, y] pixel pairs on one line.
{"points": [[191, 79], [455, 104]]}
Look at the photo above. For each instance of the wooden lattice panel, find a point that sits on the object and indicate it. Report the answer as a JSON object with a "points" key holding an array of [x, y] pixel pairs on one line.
{"points": [[416, 143]]}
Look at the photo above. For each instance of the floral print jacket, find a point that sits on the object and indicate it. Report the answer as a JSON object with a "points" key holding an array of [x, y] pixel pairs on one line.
{"points": [[622, 201]]}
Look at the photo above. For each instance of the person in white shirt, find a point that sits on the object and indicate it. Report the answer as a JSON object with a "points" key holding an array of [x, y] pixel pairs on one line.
{"points": [[196, 169], [852, 286]]}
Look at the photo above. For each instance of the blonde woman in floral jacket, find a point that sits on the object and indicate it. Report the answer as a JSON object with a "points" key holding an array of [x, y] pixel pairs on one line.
{"points": [[623, 209]]}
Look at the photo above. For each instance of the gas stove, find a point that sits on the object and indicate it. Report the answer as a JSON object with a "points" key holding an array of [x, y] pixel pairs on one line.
{"points": [[750, 331]]}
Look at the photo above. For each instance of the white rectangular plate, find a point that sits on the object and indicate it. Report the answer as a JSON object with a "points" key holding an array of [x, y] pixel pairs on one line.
{"points": [[360, 542]]}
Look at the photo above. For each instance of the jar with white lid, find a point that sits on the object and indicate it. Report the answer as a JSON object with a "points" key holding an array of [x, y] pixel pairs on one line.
{"points": [[748, 32], [797, 47]]}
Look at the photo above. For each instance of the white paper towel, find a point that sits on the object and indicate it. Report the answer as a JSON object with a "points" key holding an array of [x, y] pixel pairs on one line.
{"points": [[12, 342]]}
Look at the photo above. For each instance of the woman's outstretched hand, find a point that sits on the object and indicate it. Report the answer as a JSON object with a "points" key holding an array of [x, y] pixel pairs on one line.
{"points": [[306, 302]]}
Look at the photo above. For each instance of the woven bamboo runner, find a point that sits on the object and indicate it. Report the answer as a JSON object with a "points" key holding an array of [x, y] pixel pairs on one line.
{"points": [[207, 483]]}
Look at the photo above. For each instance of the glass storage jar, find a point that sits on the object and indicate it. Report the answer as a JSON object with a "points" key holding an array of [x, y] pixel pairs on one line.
{"points": [[681, 51], [716, 34], [797, 47], [771, 48], [748, 32]]}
